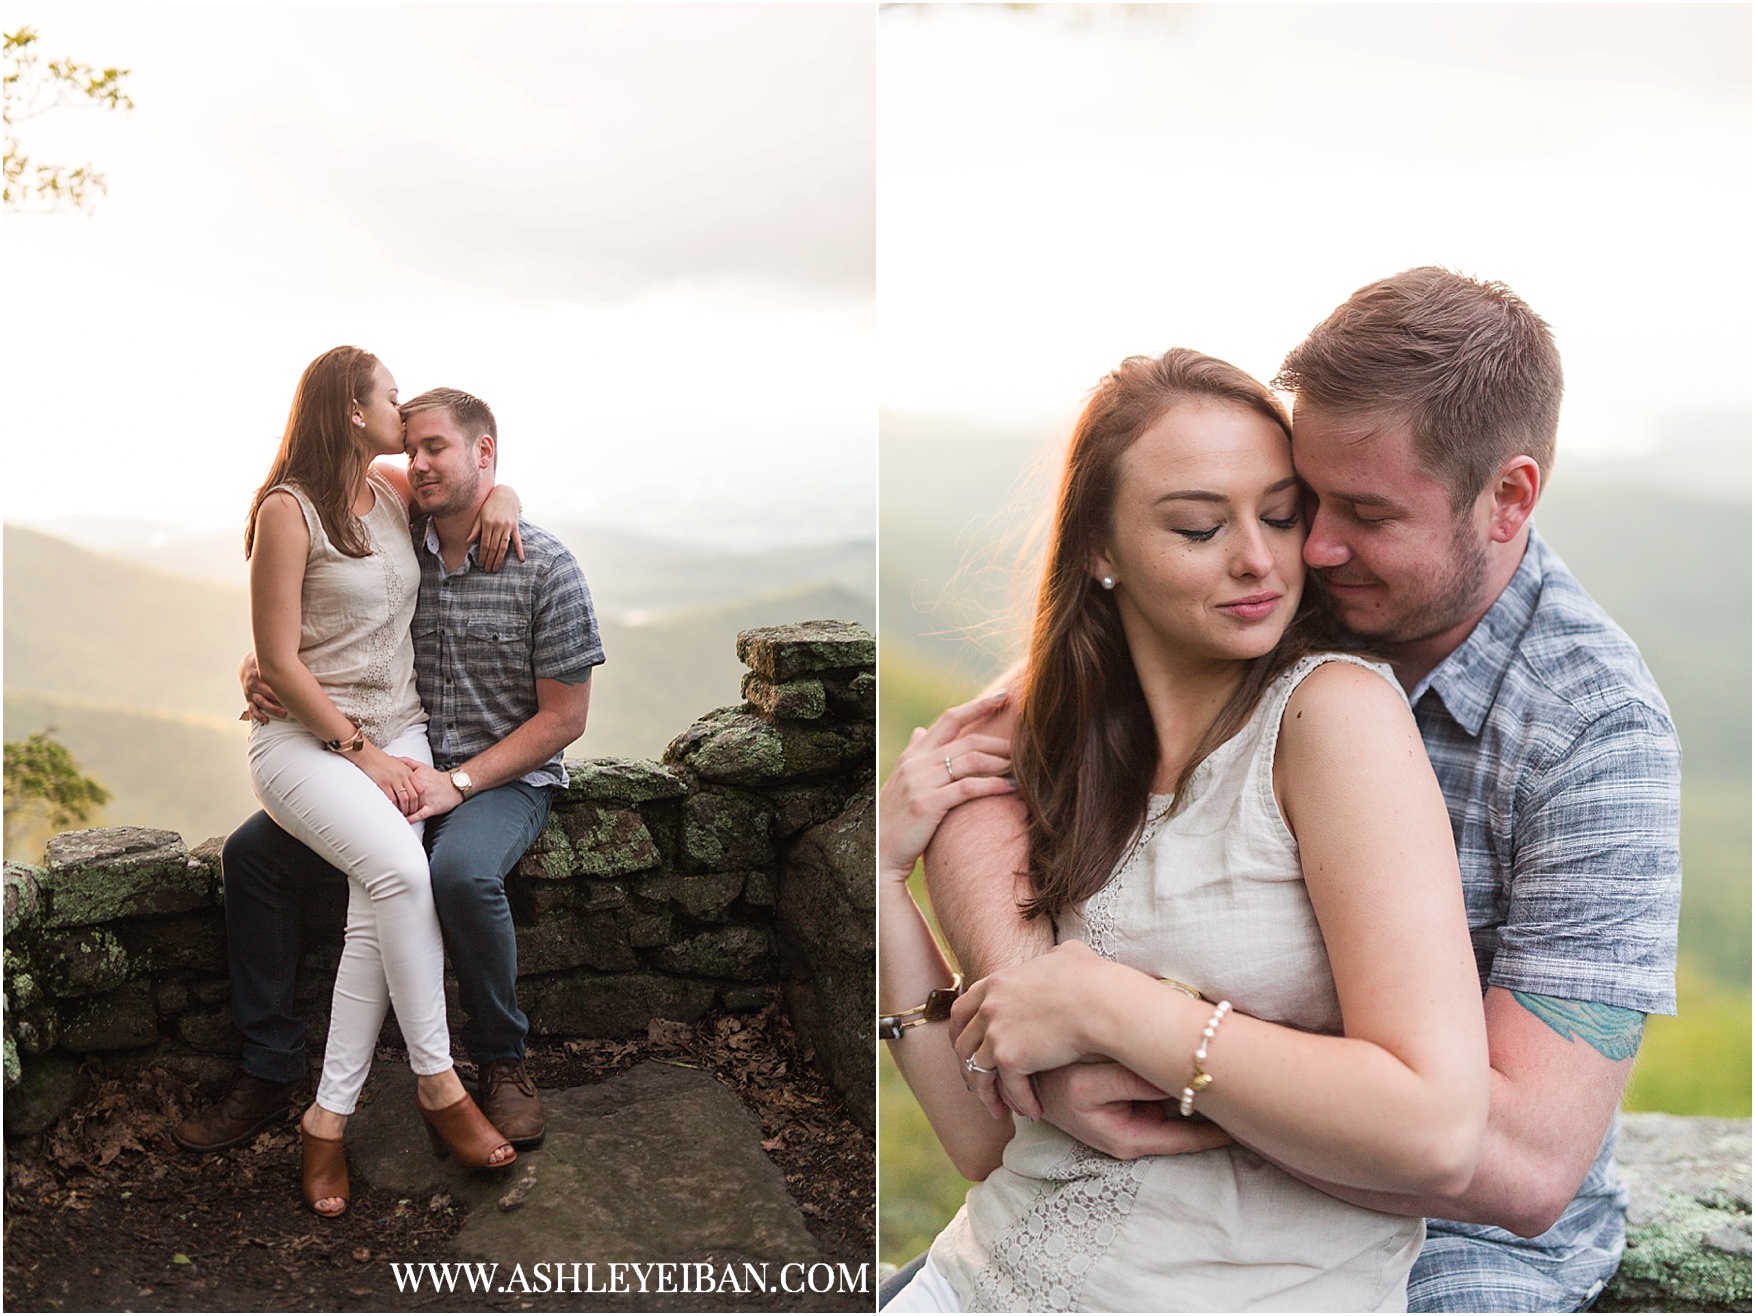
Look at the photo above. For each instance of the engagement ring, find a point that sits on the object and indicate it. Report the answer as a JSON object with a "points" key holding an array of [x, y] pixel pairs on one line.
{"points": [[974, 1068], [949, 771]]}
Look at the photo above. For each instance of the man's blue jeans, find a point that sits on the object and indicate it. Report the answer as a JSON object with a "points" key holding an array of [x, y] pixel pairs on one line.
{"points": [[470, 850]]}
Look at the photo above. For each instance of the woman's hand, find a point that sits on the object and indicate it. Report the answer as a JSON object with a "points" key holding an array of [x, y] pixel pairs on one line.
{"points": [[944, 765], [391, 775], [1034, 1016], [496, 528]]}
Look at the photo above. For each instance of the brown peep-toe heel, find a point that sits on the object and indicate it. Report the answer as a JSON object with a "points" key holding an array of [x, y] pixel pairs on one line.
{"points": [[325, 1173], [461, 1130]]}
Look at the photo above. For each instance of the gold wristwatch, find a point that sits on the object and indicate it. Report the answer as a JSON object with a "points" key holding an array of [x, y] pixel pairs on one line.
{"points": [[460, 779]]}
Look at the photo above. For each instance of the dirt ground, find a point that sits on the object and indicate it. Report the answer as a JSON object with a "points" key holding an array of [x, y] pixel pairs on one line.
{"points": [[104, 1213]]}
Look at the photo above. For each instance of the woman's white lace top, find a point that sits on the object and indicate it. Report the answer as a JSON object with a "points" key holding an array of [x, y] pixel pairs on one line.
{"points": [[1214, 897], [355, 613]]}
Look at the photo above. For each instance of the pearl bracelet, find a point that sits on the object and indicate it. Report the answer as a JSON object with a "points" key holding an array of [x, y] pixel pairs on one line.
{"points": [[1201, 1078]]}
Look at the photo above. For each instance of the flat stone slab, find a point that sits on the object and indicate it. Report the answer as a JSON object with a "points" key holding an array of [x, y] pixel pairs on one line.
{"points": [[659, 1163]]}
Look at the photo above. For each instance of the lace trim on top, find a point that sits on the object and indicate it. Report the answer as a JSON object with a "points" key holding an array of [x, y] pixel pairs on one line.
{"points": [[374, 706], [1041, 1262]]}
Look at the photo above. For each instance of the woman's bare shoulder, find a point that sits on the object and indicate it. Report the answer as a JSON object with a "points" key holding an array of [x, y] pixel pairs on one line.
{"points": [[1341, 685], [280, 520], [1340, 708]]}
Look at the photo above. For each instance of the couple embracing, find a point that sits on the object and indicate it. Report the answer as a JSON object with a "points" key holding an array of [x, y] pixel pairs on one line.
{"points": [[422, 657], [1316, 876]]}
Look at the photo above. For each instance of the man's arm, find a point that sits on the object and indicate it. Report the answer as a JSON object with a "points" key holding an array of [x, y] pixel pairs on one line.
{"points": [[975, 876], [559, 720], [1557, 1070], [1538, 1146]]}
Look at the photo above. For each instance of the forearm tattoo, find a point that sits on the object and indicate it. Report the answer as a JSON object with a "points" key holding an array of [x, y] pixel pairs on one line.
{"points": [[1612, 1030]]}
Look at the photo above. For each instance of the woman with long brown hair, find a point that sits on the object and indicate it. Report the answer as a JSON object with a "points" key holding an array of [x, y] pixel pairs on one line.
{"points": [[333, 580], [1247, 863]]}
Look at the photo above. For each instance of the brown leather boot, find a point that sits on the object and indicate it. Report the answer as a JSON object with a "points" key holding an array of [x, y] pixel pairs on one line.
{"points": [[509, 1100], [249, 1105]]}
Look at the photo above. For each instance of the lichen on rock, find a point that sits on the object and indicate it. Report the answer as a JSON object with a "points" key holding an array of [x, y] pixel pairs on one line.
{"points": [[1688, 1182]]}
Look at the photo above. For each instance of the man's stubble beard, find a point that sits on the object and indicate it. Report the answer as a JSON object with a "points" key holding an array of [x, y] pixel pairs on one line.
{"points": [[1456, 597], [459, 499]]}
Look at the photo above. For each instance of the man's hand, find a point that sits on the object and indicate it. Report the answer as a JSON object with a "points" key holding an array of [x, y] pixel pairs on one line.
{"points": [[1114, 1110], [260, 702], [438, 794]]}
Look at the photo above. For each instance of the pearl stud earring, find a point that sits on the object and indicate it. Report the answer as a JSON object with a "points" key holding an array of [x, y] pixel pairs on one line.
{"points": [[1107, 582]]}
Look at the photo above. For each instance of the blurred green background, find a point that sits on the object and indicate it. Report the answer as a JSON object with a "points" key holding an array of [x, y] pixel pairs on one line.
{"points": [[1672, 568]]}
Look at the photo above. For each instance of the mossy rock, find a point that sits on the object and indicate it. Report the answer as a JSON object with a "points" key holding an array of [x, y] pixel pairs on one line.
{"points": [[608, 842], [621, 781], [1688, 1218], [704, 897], [117, 1021], [742, 748], [88, 962], [45, 1088], [572, 938], [99, 875], [739, 952], [803, 700], [22, 898], [783, 653], [721, 832]]}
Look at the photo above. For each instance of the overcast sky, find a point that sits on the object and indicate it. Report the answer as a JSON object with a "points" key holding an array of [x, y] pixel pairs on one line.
{"points": [[644, 233], [1062, 190]]}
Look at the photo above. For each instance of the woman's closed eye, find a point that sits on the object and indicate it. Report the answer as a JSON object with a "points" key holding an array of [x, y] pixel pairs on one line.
{"points": [[1288, 522]]}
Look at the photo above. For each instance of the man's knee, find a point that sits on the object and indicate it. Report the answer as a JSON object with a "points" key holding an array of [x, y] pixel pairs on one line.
{"points": [[465, 890]]}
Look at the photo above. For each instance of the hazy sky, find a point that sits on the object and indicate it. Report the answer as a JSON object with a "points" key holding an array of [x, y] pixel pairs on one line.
{"points": [[643, 232], [1060, 190]]}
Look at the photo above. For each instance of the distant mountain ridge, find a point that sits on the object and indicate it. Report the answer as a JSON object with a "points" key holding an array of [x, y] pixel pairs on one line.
{"points": [[631, 575]]}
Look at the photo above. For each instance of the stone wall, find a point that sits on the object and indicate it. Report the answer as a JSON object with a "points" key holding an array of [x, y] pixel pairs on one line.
{"points": [[1687, 1215], [657, 890]]}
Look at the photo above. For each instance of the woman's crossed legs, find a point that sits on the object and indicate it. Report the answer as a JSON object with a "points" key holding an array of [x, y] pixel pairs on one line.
{"points": [[393, 952]]}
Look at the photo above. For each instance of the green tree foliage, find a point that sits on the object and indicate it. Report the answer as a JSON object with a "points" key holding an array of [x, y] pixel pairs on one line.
{"points": [[33, 88], [44, 788]]}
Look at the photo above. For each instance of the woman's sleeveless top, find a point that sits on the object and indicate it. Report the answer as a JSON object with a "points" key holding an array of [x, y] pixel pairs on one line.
{"points": [[355, 614], [1212, 896]]}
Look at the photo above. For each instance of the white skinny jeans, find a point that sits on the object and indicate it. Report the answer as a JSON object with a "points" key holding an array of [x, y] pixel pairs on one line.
{"points": [[393, 952]]}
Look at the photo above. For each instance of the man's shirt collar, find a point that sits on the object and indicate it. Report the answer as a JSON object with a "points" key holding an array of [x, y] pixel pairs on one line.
{"points": [[431, 544], [1468, 680]]}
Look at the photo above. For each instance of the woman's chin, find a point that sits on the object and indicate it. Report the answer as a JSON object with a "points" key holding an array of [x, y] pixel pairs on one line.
{"points": [[1258, 642]]}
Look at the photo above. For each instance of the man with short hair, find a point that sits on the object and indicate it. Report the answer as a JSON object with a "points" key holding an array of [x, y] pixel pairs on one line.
{"points": [[503, 663], [1424, 416]]}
